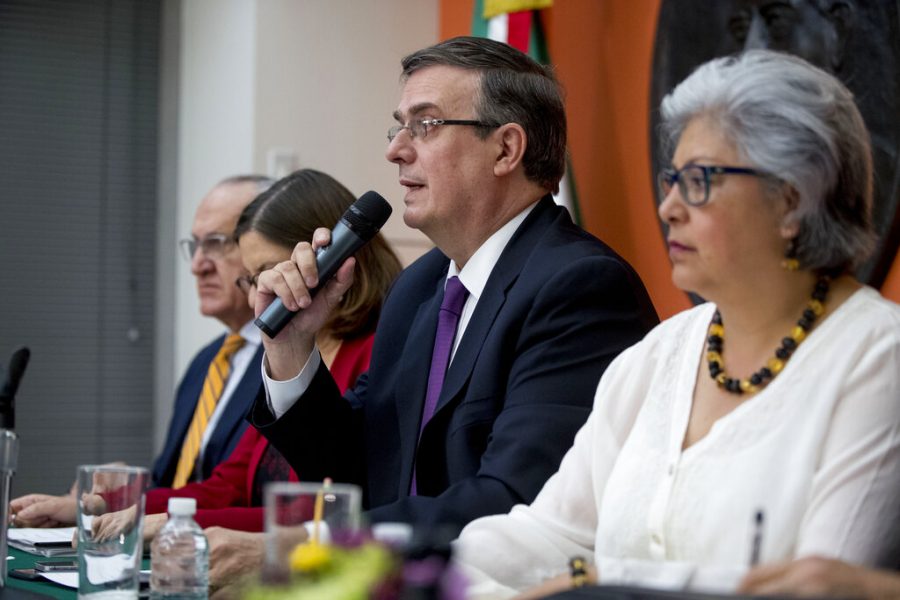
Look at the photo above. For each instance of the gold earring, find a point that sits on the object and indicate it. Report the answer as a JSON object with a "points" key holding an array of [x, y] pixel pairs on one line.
{"points": [[790, 264], [790, 261]]}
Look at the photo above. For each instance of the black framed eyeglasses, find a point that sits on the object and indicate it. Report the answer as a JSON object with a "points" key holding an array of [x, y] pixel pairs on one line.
{"points": [[213, 245], [420, 127], [693, 180], [245, 282]]}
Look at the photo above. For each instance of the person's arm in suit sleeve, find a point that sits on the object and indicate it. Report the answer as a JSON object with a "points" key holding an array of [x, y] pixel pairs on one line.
{"points": [[332, 447], [331, 443], [321, 414]]}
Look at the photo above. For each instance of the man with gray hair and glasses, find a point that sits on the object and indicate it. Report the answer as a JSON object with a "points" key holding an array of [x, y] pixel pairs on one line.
{"points": [[218, 387]]}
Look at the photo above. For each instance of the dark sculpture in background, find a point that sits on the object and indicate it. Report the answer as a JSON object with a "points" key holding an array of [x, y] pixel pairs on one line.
{"points": [[858, 41]]}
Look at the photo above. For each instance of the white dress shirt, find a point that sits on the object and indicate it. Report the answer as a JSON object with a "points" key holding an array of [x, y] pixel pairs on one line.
{"points": [[474, 276], [817, 451]]}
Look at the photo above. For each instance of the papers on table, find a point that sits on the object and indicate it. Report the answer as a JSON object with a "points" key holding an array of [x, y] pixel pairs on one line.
{"points": [[68, 579], [44, 542]]}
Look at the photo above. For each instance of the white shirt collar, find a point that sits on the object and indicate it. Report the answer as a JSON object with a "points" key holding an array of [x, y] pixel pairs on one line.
{"points": [[251, 334]]}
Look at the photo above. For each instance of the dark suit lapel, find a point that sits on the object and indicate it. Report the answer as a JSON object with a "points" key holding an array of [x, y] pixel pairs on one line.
{"points": [[185, 416], [181, 420], [503, 276], [183, 412], [192, 395], [412, 381]]}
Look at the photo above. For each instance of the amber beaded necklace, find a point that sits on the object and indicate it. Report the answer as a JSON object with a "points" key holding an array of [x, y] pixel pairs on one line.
{"points": [[716, 340]]}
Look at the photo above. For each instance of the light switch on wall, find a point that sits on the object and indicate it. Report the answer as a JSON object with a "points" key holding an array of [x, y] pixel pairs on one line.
{"points": [[280, 162]]}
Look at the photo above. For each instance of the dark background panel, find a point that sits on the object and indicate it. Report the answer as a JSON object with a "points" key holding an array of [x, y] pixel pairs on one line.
{"points": [[78, 152]]}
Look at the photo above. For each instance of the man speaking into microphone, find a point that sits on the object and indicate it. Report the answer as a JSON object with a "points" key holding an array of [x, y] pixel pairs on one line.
{"points": [[490, 346]]}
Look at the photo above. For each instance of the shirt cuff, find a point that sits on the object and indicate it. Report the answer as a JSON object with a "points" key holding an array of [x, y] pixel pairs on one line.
{"points": [[282, 395]]}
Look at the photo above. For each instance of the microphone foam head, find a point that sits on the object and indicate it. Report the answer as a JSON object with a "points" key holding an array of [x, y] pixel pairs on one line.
{"points": [[373, 208]]}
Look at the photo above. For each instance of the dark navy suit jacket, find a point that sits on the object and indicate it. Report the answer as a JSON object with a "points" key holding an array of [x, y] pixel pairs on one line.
{"points": [[230, 426], [558, 307]]}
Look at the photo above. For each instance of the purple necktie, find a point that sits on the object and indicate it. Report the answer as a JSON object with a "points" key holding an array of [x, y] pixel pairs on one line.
{"points": [[455, 294]]}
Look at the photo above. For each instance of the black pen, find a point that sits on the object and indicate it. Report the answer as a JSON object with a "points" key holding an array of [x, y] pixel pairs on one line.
{"points": [[757, 538], [55, 544]]}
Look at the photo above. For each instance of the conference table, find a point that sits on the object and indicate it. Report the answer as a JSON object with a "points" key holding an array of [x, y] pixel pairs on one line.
{"points": [[42, 589]]}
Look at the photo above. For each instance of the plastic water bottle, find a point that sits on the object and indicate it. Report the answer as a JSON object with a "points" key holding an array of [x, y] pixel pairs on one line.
{"points": [[179, 556]]}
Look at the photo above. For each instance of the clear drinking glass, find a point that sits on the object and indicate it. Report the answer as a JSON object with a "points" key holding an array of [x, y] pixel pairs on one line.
{"points": [[110, 523], [290, 512]]}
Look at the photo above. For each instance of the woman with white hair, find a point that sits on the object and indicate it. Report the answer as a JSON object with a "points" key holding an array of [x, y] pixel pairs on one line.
{"points": [[763, 425]]}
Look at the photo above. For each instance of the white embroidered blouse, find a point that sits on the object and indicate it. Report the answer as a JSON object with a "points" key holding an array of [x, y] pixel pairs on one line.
{"points": [[817, 451]]}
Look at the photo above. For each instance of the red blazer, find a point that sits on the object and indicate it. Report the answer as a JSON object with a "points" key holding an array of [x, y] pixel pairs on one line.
{"points": [[224, 498]]}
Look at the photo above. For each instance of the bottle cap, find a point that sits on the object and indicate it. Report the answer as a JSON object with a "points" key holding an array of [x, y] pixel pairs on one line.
{"points": [[183, 507]]}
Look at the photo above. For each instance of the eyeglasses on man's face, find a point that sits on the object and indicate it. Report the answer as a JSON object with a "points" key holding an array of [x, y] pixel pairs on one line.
{"points": [[420, 127], [694, 180], [213, 245], [246, 282]]}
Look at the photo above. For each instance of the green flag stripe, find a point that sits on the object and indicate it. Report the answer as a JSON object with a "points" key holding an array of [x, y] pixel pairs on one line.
{"points": [[479, 23]]}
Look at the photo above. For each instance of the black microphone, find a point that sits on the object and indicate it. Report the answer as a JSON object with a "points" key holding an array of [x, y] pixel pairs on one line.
{"points": [[358, 225], [17, 365]]}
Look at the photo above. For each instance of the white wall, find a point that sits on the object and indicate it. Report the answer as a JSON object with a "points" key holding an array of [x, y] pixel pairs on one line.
{"points": [[317, 77], [327, 83]]}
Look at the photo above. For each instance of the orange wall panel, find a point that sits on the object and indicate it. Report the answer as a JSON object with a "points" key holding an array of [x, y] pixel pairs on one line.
{"points": [[603, 52], [456, 18]]}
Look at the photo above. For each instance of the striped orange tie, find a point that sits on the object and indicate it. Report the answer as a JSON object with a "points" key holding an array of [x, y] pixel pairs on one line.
{"points": [[212, 391]]}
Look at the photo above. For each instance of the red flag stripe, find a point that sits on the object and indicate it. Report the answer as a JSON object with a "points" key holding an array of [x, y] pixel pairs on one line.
{"points": [[519, 30]]}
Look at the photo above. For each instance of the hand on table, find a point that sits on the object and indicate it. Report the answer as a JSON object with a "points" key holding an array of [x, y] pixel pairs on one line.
{"points": [[556, 585], [152, 524], [233, 555], [110, 525], [43, 510], [93, 504], [815, 576], [107, 526]]}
